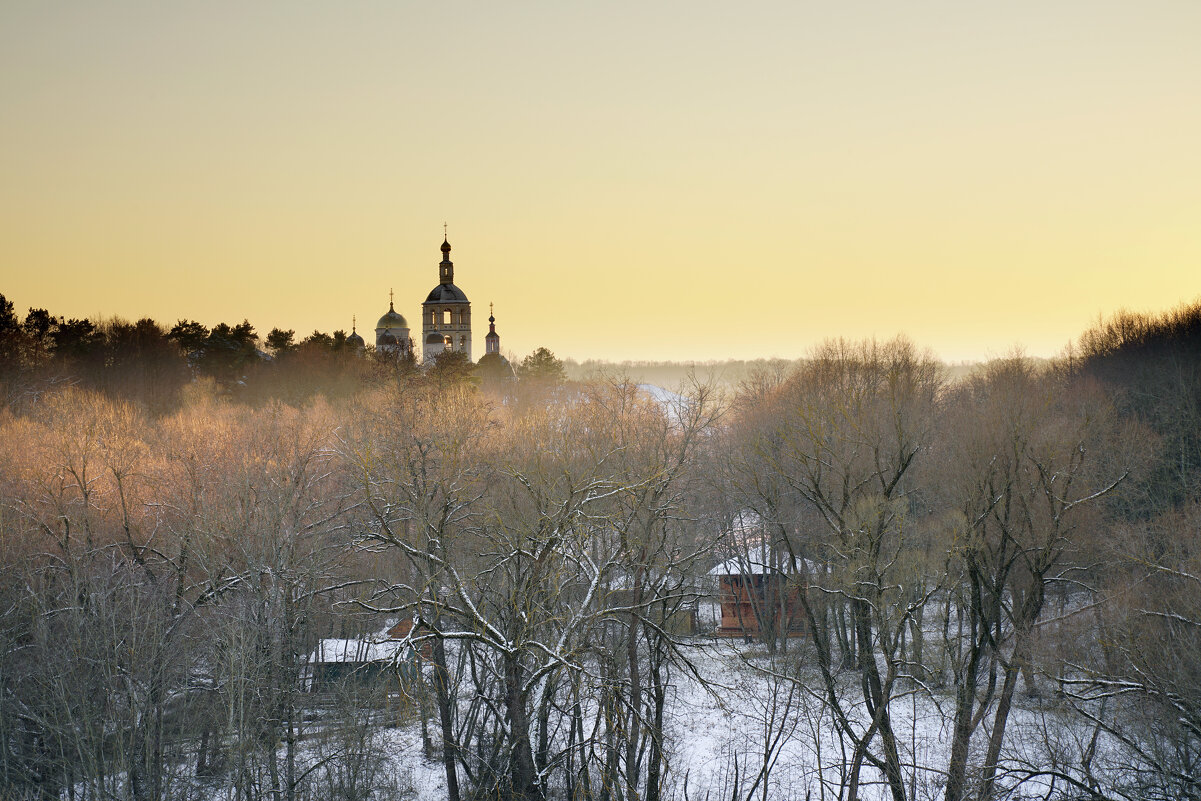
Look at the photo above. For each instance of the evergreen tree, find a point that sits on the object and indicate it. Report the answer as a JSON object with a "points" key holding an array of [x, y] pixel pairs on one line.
{"points": [[451, 367], [37, 327], [281, 341], [191, 336], [10, 335], [542, 365]]}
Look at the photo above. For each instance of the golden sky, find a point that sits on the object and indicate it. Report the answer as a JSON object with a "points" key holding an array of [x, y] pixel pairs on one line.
{"points": [[624, 180]]}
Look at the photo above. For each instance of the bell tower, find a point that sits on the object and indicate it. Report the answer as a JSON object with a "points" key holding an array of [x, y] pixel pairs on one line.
{"points": [[446, 313], [492, 339]]}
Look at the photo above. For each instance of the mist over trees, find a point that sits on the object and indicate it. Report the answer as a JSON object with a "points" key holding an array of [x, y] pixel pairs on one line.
{"points": [[190, 517]]}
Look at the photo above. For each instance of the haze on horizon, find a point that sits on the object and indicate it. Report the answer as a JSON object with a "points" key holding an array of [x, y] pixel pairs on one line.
{"points": [[658, 180]]}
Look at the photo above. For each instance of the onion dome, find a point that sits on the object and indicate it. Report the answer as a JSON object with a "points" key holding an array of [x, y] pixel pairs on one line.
{"points": [[492, 340], [393, 319], [446, 293], [494, 367], [354, 340]]}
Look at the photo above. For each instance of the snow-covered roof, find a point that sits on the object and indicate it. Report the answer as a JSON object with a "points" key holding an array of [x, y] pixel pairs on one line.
{"points": [[751, 564], [757, 561], [338, 650]]}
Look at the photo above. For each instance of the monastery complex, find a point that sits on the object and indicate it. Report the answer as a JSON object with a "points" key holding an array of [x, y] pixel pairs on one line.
{"points": [[445, 323]]}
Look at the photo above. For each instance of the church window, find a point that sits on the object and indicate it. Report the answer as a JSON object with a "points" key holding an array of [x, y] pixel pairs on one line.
{"points": [[446, 317], [449, 344]]}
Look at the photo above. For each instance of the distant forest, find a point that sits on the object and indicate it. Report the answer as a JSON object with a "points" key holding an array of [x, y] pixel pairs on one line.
{"points": [[150, 363], [193, 519]]}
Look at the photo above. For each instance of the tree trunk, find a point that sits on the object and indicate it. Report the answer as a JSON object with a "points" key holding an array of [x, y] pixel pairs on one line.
{"points": [[523, 774], [1000, 718], [654, 766], [877, 700], [633, 729], [290, 750], [965, 698], [446, 718]]}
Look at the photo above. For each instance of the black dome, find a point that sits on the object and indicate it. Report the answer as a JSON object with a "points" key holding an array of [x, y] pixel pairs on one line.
{"points": [[493, 365], [446, 293]]}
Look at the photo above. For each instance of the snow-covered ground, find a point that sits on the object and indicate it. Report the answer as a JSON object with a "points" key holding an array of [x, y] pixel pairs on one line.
{"points": [[723, 729]]}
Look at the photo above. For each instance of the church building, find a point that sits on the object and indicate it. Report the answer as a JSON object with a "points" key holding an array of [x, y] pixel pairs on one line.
{"points": [[493, 367], [392, 333], [445, 324], [446, 314]]}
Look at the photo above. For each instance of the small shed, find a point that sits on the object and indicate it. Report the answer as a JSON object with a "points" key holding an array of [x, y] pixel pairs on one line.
{"points": [[755, 592], [337, 661]]}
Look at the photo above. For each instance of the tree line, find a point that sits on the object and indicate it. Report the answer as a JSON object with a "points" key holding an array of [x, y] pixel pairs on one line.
{"points": [[1024, 536], [148, 363]]}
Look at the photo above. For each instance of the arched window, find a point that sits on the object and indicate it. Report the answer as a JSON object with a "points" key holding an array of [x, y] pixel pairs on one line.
{"points": [[449, 343], [446, 317]]}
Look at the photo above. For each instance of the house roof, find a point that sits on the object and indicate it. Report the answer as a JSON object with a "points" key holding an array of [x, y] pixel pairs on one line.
{"points": [[756, 562], [354, 651]]}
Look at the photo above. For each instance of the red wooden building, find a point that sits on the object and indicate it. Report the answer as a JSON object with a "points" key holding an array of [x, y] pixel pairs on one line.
{"points": [[757, 592]]}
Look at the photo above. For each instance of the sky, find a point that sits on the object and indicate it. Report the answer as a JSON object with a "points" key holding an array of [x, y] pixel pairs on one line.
{"points": [[683, 181]]}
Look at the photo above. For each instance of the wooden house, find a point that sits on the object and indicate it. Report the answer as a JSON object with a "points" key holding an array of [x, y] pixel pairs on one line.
{"points": [[756, 592], [336, 662]]}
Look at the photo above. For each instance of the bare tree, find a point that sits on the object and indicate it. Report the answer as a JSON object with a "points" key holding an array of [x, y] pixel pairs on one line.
{"points": [[1030, 466], [843, 437], [547, 549]]}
